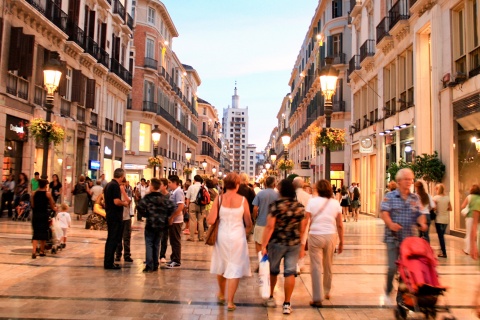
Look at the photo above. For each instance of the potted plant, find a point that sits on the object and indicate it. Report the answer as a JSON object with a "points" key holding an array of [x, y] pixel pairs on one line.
{"points": [[332, 138], [40, 129], [187, 171], [155, 161]]}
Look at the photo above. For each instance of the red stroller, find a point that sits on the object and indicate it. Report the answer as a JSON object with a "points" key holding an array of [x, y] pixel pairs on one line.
{"points": [[419, 283]]}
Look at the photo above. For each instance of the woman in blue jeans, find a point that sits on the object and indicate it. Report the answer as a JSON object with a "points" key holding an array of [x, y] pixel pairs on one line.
{"points": [[443, 208], [281, 239]]}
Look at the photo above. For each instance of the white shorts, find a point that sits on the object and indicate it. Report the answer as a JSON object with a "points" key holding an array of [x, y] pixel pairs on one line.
{"points": [[258, 234], [64, 232]]}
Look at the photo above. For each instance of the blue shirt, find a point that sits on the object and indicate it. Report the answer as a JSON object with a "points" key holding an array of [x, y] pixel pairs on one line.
{"points": [[403, 212], [263, 200]]}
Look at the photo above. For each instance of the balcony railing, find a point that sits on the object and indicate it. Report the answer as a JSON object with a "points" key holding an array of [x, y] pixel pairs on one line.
{"points": [[75, 34], [17, 86], [354, 64], [129, 104], [94, 119], [103, 57], [398, 12], [119, 9], [80, 114], [120, 71], [65, 108], [474, 62], [51, 11], [367, 49], [338, 106], [149, 106], [150, 63], [167, 116], [129, 21], [40, 95], [339, 58], [382, 29], [91, 47]]}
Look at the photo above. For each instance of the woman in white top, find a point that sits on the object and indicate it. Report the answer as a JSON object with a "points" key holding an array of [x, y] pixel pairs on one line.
{"points": [[325, 215], [443, 208], [427, 205]]}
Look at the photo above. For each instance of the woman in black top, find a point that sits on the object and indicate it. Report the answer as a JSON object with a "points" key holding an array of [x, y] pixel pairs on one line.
{"points": [[41, 200], [81, 193], [55, 188], [20, 189]]}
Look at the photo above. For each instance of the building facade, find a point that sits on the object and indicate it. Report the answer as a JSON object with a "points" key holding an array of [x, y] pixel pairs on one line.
{"points": [[91, 40], [163, 95], [209, 143], [235, 133], [415, 81], [328, 36]]}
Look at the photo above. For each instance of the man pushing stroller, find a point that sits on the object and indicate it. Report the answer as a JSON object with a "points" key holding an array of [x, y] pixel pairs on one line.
{"points": [[401, 214]]}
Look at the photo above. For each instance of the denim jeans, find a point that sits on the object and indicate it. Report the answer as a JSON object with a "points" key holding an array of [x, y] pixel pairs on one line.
{"points": [[124, 244], [392, 252], [152, 247], [163, 244], [425, 234], [114, 236], [290, 258], [441, 228]]}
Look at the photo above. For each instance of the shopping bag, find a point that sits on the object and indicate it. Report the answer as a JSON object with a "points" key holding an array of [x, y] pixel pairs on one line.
{"points": [[264, 276]]}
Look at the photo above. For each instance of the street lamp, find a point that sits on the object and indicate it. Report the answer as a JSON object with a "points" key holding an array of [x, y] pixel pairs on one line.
{"points": [[286, 141], [220, 174], [204, 165], [156, 134], [214, 170], [264, 170], [51, 78], [267, 165], [328, 83], [188, 156]]}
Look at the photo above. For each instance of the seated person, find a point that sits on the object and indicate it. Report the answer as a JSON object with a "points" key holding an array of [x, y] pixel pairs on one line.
{"points": [[98, 219]]}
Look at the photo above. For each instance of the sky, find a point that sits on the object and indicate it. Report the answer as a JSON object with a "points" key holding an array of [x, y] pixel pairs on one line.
{"points": [[252, 42]]}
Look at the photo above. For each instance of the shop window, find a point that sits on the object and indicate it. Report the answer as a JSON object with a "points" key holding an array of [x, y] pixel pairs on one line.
{"points": [[145, 137]]}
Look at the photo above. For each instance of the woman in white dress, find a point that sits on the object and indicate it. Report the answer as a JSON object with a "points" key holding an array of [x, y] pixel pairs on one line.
{"points": [[230, 259]]}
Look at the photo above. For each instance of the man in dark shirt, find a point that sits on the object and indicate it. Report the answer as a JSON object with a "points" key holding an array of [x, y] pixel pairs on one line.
{"points": [[114, 209]]}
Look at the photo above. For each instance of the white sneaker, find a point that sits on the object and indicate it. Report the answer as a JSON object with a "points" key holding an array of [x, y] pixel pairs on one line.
{"points": [[287, 308], [163, 260], [270, 303], [385, 300], [298, 269]]}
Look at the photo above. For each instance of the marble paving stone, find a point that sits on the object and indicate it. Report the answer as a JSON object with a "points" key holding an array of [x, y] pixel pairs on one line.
{"points": [[73, 284]]}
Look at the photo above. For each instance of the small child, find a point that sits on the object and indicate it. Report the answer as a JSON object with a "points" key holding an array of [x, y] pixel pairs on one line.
{"points": [[23, 207], [64, 221]]}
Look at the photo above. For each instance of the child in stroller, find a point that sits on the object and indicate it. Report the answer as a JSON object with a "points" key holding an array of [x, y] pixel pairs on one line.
{"points": [[419, 283], [23, 210]]}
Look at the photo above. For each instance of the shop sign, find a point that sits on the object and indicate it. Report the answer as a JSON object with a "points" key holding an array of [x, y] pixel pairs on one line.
{"points": [[366, 144], [16, 129], [94, 165], [305, 165], [129, 153], [108, 151], [336, 167], [131, 166]]}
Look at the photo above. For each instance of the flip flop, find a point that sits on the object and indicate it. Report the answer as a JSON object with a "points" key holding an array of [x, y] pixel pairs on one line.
{"points": [[232, 308]]}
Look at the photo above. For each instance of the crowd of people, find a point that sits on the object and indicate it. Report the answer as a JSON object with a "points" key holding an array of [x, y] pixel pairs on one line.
{"points": [[284, 220]]}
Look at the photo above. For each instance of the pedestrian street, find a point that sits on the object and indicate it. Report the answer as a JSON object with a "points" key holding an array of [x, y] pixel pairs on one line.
{"points": [[73, 284]]}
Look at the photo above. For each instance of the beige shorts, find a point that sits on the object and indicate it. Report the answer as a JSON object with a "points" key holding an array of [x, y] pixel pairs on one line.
{"points": [[258, 234]]}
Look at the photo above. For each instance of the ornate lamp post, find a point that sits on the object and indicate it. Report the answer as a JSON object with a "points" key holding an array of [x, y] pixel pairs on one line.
{"points": [[188, 156], [214, 170], [204, 165], [156, 134], [273, 158], [286, 141], [267, 165], [51, 78], [328, 83]]}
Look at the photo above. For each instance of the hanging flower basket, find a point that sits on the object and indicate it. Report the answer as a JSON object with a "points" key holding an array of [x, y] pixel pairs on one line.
{"points": [[155, 161], [272, 172], [332, 138], [40, 128], [285, 164], [187, 171]]}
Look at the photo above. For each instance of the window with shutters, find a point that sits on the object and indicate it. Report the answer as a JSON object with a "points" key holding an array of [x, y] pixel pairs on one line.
{"points": [[151, 15], [458, 39], [336, 8], [150, 49], [90, 95]]}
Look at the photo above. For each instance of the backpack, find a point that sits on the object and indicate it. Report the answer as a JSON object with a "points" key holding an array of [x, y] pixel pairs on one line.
{"points": [[203, 196]]}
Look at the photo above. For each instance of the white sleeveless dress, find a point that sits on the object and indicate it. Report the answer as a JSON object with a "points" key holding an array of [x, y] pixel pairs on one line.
{"points": [[230, 254]]}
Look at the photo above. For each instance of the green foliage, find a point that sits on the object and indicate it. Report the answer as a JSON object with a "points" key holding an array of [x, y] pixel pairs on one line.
{"points": [[427, 167]]}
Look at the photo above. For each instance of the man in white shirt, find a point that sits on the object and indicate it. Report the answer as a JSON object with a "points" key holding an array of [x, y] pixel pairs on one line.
{"points": [[142, 189], [96, 190], [195, 211]]}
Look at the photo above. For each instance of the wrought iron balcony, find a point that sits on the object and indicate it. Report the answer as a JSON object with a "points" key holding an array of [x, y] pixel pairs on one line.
{"points": [[120, 71], [399, 11], [339, 106], [367, 49], [474, 62], [167, 116], [382, 29], [52, 12], [94, 119], [149, 106], [129, 21], [17, 86], [354, 64], [339, 58], [91, 47], [129, 104], [75, 34], [119, 9], [150, 63], [103, 57]]}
